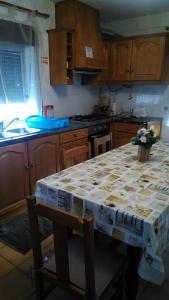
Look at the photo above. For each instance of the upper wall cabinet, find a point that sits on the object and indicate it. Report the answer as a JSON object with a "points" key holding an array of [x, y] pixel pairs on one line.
{"points": [[140, 59], [60, 56], [87, 43], [121, 60]]}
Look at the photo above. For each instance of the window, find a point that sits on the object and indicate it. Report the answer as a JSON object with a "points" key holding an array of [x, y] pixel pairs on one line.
{"points": [[11, 75], [19, 76]]}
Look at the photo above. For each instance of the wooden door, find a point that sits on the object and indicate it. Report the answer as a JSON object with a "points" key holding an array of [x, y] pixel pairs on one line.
{"points": [[43, 158], [104, 75], [122, 138], [121, 60], [147, 58], [14, 184], [74, 155], [60, 57]]}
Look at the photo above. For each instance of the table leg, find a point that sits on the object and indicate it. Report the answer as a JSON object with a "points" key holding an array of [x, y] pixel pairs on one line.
{"points": [[132, 278]]}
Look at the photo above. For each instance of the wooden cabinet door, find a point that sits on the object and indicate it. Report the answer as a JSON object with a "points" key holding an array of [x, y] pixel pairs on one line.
{"points": [[74, 154], [14, 184], [147, 58], [43, 158], [123, 132], [120, 60], [122, 138], [104, 75], [57, 57]]}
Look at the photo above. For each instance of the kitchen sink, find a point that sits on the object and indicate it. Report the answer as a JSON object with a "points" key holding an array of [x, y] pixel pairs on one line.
{"points": [[22, 131], [14, 132]]}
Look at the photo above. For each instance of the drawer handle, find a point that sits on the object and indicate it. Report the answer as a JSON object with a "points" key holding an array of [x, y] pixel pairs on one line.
{"points": [[75, 135]]}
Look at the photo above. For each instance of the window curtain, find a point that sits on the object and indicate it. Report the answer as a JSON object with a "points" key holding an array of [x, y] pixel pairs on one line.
{"points": [[19, 69]]}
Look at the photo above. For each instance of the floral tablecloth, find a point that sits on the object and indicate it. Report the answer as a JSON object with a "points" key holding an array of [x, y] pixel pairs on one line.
{"points": [[128, 199]]}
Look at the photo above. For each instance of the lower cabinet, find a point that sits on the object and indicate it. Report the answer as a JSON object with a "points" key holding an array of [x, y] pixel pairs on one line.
{"points": [[21, 165], [123, 132], [14, 179], [43, 158], [74, 153], [74, 147]]}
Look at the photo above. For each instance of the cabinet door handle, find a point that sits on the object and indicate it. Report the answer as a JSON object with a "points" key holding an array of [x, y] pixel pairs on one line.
{"points": [[127, 71], [27, 167], [131, 71]]}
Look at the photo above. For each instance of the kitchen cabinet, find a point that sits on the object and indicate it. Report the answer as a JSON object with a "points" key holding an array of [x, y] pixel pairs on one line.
{"points": [[43, 158], [74, 147], [21, 165], [85, 21], [14, 179], [60, 57], [140, 59], [74, 153], [120, 60], [123, 132]]}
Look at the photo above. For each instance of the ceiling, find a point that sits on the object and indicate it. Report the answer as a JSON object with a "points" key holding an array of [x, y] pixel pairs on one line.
{"points": [[123, 9]]}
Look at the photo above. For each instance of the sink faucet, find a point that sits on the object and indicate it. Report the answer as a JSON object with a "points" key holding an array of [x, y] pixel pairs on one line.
{"points": [[3, 128]]}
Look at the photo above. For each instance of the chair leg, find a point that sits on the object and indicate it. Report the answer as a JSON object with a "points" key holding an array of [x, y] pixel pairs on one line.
{"points": [[39, 286]]}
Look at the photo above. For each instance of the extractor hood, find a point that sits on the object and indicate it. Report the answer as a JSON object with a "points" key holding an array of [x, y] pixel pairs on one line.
{"points": [[87, 71], [84, 22]]}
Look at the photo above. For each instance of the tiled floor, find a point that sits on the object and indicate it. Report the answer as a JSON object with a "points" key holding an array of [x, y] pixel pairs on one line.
{"points": [[16, 278]]}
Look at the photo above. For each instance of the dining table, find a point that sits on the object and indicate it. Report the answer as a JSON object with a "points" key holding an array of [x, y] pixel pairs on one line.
{"points": [[129, 201]]}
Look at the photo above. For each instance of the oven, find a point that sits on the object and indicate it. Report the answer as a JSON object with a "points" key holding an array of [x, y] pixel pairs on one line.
{"points": [[97, 131], [97, 126]]}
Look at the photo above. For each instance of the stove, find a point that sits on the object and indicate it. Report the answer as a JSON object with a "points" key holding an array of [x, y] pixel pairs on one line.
{"points": [[97, 124], [88, 118]]}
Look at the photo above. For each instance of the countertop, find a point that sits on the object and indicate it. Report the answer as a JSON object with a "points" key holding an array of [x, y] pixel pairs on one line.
{"points": [[74, 126]]}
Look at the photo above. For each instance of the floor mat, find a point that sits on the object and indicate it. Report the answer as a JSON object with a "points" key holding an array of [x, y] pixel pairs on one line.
{"points": [[16, 232]]}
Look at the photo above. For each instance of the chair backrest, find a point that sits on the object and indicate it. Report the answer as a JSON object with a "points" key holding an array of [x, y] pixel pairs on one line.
{"points": [[102, 144], [62, 221]]}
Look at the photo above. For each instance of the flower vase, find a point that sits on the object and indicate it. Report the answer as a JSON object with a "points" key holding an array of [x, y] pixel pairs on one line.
{"points": [[143, 154]]}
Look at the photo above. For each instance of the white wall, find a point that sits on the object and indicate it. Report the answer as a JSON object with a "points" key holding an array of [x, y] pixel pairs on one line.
{"points": [[140, 25], [67, 100], [155, 98]]}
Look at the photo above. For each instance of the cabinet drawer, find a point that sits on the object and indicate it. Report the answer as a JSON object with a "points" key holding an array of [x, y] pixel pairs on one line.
{"points": [[73, 144], [127, 127], [73, 135]]}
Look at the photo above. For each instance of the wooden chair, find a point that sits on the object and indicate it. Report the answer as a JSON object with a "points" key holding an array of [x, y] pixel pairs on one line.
{"points": [[102, 144], [85, 269]]}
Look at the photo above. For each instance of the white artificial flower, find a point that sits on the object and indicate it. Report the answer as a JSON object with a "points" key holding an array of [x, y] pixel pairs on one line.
{"points": [[142, 131], [143, 139], [152, 128]]}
